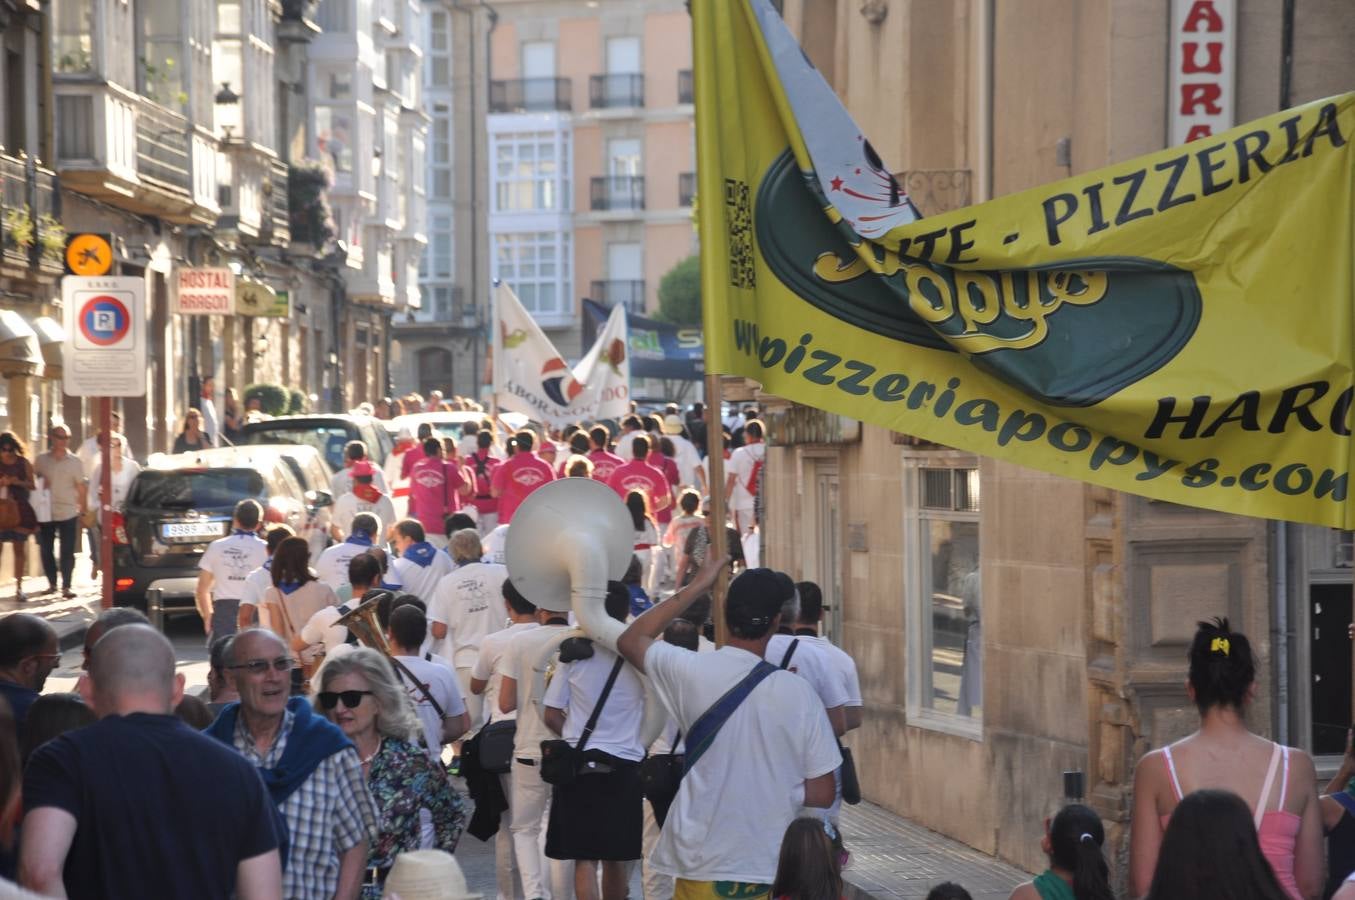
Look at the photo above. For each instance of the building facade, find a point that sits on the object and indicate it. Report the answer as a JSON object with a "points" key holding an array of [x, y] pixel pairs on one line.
{"points": [[1011, 625]]}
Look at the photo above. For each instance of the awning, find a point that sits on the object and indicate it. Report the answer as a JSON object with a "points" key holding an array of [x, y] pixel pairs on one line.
{"points": [[51, 339], [20, 352]]}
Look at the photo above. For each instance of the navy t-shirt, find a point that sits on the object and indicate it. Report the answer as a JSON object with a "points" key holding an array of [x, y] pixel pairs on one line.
{"points": [[162, 810], [20, 699]]}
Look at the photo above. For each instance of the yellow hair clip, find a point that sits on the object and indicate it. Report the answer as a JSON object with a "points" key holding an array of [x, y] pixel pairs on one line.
{"points": [[1220, 645]]}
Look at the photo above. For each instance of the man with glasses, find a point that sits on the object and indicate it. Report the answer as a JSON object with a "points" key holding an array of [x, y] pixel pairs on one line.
{"points": [[63, 475], [311, 770], [99, 798], [28, 654]]}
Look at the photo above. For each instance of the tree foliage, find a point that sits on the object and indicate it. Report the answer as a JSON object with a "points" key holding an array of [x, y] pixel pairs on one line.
{"points": [[680, 293], [274, 399]]}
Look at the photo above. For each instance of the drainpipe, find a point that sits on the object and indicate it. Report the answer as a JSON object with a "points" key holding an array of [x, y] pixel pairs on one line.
{"points": [[985, 34], [1287, 54], [1279, 555]]}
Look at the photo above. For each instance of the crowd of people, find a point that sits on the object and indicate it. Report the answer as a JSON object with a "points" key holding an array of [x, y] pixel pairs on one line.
{"points": [[370, 705]]}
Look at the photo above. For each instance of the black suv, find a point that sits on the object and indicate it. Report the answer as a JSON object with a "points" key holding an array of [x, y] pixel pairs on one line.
{"points": [[180, 503], [328, 434]]}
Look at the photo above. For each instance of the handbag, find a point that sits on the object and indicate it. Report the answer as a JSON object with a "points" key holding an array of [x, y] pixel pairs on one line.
{"points": [[496, 746], [560, 762], [851, 786], [10, 515], [40, 498], [660, 778]]}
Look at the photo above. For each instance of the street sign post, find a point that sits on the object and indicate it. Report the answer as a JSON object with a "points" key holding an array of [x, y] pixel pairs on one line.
{"points": [[104, 356]]}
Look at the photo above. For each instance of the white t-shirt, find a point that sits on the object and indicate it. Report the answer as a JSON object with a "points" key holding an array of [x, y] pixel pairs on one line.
{"points": [[522, 662], [332, 566], [320, 629], [733, 807], [687, 458], [740, 465], [469, 602], [489, 666], [623, 442], [342, 482], [441, 681], [348, 506], [230, 560], [122, 483], [256, 583], [576, 688], [422, 581], [845, 665], [811, 664], [494, 544]]}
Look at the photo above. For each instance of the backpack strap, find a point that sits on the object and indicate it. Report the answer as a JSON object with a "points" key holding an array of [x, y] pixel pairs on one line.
{"points": [[602, 701], [790, 651], [704, 729]]}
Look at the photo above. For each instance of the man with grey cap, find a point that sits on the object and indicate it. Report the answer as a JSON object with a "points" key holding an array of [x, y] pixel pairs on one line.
{"points": [[116, 809], [770, 744]]}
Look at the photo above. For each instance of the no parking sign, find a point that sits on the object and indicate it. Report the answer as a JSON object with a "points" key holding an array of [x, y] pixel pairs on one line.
{"points": [[105, 351]]}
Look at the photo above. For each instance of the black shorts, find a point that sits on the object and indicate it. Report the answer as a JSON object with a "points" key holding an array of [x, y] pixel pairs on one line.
{"points": [[598, 816]]}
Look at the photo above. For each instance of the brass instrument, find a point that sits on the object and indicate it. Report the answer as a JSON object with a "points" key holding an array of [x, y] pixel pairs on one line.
{"points": [[363, 624]]}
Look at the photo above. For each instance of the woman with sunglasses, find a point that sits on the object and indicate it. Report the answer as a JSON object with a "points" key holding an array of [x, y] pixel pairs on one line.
{"points": [[360, 693], [16, 480], [192, 437]]}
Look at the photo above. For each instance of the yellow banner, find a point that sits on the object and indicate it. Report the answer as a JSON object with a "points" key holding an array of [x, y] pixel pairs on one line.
{"points": [[1177, 326]]}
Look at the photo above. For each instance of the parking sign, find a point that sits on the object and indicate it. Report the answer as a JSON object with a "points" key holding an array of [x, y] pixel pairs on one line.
{"points": [[105, 350]]}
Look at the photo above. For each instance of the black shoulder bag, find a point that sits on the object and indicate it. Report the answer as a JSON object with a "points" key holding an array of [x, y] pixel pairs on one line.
{"points": [[560, 763], [660, 778]]}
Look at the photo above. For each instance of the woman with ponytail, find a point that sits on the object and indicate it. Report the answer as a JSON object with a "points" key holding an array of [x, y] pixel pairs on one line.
{"points": [[1077, 870], [1278, 784]]}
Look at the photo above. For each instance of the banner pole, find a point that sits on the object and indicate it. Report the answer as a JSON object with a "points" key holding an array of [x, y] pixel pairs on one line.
{"points": [[104, 494], [715, 454]]}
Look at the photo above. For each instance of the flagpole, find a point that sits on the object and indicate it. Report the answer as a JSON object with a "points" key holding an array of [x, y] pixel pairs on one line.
{"points": [[496, 353], [715, 456]]}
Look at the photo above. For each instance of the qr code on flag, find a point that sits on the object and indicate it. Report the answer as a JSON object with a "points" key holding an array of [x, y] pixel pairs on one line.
{"points": [[739, 218]]}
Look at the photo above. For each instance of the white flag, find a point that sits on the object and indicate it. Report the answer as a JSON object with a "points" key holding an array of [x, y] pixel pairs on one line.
{"points": [[530, 377]]}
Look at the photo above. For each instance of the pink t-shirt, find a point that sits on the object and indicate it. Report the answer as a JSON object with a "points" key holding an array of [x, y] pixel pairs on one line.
{"points": [[604, 464], [517, 477], [432, 492], [638, 475]]}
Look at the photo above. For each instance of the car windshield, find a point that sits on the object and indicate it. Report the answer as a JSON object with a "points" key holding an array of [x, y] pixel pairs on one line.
{"points": [[328, 439], [195, 489]]}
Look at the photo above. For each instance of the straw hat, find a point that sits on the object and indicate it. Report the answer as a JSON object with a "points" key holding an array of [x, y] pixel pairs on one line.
{"points": [[427, 875], [672, 424]]}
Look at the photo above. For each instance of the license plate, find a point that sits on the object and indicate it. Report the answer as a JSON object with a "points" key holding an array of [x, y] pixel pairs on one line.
{"points": [[193, 529]]}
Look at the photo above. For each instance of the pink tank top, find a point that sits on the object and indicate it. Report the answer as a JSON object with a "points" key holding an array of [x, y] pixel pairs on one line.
{"points": [[1277, 831]]}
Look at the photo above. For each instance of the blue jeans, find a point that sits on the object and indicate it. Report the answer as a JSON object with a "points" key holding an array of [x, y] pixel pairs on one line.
{"points": [[47, 535]]}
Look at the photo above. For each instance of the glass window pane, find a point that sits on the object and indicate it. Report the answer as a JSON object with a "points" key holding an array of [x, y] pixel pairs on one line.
{"points": [[954, 680], [936, 488]]}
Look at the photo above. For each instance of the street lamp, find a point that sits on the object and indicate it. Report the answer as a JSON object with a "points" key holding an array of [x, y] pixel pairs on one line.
{"points": [[227, 109]]}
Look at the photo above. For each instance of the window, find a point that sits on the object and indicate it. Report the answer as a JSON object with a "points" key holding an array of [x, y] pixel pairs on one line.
{"points": [[440, 47], [73, 35], [623, 156], [536, 266], [440, 248], [529, 172], [943, 593], [623, 55], [334, 137]]}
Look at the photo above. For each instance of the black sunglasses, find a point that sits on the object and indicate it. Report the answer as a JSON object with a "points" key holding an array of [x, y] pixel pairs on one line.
{"points": [[351, 699]]}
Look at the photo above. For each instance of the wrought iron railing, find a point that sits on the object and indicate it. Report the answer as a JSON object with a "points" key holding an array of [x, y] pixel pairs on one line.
{"points": [[530, 95], [617, 192], [627, 293], [934, 191], [31, 234], [277, 208], [612, 90]]}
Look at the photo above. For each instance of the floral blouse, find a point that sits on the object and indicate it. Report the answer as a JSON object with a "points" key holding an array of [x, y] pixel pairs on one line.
{"points": [[403, 780]]}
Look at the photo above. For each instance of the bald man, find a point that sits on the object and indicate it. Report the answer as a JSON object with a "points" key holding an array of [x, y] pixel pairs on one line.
{"points": [[140, 805]]}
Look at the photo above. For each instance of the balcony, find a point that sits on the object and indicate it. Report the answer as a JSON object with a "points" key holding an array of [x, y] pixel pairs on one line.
{"points": [[630, 294], [686, 189], [518, 95], [685, 89], [617, 192], [616, 90], [129, 151], [32, 240], [275, 227]]}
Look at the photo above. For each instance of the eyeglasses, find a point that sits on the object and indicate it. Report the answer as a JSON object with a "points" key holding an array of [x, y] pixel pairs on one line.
{"points": [[260, 666], [351, 699], [52, 658]]}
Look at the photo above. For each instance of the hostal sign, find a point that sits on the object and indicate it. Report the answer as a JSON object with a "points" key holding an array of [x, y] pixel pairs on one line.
{"points": [[205, 292]]}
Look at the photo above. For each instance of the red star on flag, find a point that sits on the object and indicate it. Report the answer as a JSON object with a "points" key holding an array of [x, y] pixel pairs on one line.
{"points": [[836, 183]]}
